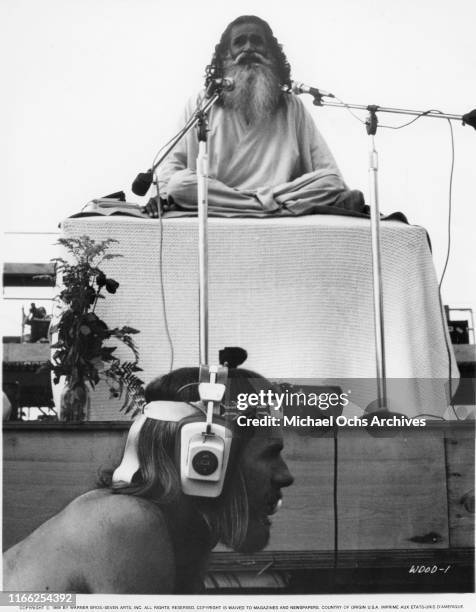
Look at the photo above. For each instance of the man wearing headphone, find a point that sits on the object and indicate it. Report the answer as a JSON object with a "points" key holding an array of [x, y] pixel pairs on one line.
{"points": [[189, 478]]}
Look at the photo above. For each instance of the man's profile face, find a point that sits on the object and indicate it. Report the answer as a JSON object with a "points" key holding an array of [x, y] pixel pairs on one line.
{"points": [[266, 473], [247, 43]]}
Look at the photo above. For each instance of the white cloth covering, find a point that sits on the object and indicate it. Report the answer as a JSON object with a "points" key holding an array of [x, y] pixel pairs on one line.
{"points": [[296, 293]]}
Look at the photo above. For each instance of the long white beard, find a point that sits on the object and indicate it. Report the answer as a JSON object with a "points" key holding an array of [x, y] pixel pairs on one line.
{"points": [[256, 94]]}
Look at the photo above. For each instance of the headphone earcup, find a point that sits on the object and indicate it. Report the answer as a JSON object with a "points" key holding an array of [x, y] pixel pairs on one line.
{"points": [[203, 458]]}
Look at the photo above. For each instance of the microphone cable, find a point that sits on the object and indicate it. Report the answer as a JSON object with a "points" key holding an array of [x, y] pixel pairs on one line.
{"points": [[450, 189], [448, 246], [450, 204], [161, 281]]}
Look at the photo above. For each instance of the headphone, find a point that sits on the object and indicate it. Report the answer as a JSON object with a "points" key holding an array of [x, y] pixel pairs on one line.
{"points": [[203, 444]]}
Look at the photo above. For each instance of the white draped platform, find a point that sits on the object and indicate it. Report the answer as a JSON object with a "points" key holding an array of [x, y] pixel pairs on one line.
{"points": [[296, 293]]}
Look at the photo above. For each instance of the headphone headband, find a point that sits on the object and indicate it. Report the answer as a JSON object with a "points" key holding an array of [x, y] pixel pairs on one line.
{"points": [[170, 411], [160, 411]]}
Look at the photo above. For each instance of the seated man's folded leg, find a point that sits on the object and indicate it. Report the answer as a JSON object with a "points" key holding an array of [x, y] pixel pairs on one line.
{"points": [[312, 183], [353, 200], [319, 189], [182, 188]]}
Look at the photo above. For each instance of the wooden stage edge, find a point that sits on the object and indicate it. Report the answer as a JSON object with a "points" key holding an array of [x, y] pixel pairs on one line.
{"points": [[346, 559], [124, 425]]}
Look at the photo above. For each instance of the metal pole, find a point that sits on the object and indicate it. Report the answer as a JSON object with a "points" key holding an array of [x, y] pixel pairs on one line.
{"points": [[23, 317], [202, 189], [379, 329], [202, 203], [399, 111], [192, 122], [199, 117], [28, 297], [377, 277]]}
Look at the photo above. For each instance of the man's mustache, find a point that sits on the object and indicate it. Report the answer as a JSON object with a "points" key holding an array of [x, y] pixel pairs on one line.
{"points": [[248, 57]]}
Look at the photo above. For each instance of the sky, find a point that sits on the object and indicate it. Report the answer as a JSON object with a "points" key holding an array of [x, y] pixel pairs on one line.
{"points": [[95, 87]]}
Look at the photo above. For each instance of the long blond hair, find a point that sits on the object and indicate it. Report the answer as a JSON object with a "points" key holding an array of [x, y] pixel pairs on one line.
{"points": [[158, 478]]}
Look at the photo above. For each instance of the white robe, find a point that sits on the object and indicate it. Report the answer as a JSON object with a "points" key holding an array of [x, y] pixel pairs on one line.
{"points": [[282, 161]]}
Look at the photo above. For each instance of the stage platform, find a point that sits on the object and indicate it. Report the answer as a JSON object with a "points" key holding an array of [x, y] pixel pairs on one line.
{"points": [[296, 293]]}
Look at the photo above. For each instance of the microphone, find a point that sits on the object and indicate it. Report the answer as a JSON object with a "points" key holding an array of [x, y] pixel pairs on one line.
{"points": [[225, 84], [142, 183], [301, 88], [470, 119]]}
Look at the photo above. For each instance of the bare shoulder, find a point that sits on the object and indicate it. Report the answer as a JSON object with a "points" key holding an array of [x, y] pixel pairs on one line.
{"points": [[124, 543], [103, 505]]}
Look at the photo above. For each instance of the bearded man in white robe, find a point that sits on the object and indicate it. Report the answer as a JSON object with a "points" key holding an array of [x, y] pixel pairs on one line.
{"points": [[266, 156]]}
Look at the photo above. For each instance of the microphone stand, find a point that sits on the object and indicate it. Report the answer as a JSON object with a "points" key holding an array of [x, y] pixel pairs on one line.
{"points": [[191, 123], [202, 202], [371, 128], [379, 327], [467, 119], [198, 118]]}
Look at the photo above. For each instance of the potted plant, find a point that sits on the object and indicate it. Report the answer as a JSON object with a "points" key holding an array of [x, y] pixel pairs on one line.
{"points": [[80, 355]]}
